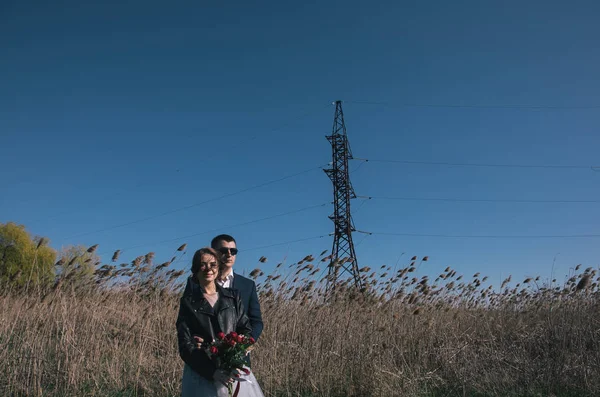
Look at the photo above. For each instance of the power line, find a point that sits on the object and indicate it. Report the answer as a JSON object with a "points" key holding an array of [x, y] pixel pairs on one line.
{"points": [[360, 205], [283, 126], [283, 243], [295, 119], [208, 157], [481, 200], [497, 165], [367, 234], [487, 236], [197, 204], [222, 228], [473, 106]]}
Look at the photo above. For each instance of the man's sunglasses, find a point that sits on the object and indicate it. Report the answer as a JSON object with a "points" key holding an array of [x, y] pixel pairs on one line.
{"points": [[225, 250]]}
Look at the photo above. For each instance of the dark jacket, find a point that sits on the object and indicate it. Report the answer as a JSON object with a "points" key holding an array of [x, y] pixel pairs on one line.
{"points": [[247, 289], [197, 318]]}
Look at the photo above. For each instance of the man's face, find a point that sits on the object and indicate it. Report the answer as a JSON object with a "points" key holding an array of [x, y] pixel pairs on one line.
{"points": [[226, 248]]}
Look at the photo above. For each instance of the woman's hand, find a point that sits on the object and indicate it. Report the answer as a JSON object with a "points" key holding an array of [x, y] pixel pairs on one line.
{"points": [[198, 341]]}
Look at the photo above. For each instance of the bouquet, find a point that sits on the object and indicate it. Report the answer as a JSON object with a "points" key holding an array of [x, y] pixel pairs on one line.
{"points": [[229, 353]]}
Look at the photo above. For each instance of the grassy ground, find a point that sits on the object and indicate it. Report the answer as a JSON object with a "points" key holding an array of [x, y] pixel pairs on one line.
{"points": [[427, 339]]}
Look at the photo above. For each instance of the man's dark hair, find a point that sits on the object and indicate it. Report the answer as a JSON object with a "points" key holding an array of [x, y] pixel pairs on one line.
{"points": [[221, 237]]}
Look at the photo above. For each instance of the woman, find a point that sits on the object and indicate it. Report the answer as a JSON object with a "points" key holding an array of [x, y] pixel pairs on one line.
{"points": [[205, 310]]}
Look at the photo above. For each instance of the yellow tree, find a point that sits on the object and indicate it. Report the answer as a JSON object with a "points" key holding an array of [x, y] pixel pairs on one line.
{"points": [[24, 260]]}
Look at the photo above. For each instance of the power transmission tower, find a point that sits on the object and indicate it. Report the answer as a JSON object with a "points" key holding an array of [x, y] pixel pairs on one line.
{"points": [[343, 256]]}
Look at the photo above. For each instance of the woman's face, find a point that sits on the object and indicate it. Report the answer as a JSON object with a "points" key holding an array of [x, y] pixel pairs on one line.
{"points": [[209, 269]]}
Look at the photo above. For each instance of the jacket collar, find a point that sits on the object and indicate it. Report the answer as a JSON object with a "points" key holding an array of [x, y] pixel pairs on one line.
{"points": [[190, 284], [192, 287], [225, 292]]}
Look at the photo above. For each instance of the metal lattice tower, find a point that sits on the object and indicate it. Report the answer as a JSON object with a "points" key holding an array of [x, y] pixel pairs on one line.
{"points": [[343, 256]]}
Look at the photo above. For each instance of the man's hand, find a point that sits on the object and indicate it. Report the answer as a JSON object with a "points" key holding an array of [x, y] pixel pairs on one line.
{"points": [[222, 377], [198, 341]]}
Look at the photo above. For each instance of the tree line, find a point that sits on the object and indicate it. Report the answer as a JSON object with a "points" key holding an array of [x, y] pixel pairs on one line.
{"points": [[28, 261]]}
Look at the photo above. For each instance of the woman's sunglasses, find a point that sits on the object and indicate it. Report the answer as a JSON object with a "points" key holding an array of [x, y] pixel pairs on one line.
{"points": [[204, 266]]}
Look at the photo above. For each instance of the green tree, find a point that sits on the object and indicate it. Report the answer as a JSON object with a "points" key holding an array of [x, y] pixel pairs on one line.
{"points": [[77, 265], [24, 260]]}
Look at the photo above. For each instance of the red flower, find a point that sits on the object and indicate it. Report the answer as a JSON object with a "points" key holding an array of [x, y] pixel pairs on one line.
{"points": [[229, 349], [252, 341]]}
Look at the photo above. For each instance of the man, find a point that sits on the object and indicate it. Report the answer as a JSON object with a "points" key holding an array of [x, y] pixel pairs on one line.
{"points": [[226, 245]]}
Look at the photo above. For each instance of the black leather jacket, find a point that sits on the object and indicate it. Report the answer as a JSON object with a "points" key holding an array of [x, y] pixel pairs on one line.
{"points": [[197, 318]]}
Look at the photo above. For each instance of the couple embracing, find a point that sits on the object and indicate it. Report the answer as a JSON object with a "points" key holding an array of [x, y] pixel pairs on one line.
{"points": [[216, 300]]}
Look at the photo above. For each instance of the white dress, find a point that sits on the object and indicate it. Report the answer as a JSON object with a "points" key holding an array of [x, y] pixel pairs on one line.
{"points": [[194, 385]]}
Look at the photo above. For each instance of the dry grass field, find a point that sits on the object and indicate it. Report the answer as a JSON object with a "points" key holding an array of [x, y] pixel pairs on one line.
{"points": [[407, 336]]}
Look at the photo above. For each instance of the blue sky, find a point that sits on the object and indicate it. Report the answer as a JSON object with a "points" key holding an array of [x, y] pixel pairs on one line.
{"points": [[114, 113]]}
